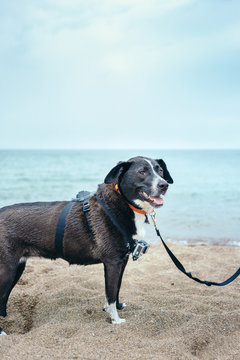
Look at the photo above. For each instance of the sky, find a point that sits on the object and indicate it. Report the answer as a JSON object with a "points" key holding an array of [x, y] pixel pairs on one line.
{"points": [[157, 74]]}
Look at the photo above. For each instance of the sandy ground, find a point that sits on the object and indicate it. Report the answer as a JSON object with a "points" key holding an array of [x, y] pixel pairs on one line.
{"points": [[55, 312]]}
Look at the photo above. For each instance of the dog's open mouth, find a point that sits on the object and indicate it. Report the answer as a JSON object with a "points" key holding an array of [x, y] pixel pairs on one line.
{"points": [[153, 200]]}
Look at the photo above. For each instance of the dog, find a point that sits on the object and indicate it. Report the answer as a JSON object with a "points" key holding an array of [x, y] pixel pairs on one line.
{"points": [[130, 190]]}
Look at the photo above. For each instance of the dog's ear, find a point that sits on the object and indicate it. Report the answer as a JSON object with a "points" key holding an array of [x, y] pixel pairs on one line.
{"points": [[166, 174], [118, 170]]}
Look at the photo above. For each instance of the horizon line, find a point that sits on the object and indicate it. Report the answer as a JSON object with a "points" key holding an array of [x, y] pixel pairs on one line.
{"points": [[117, 149]]}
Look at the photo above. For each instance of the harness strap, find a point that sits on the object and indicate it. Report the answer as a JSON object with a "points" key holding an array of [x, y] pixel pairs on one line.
{"points": [[129, 240], [86, 209], [180, 266], [82, 196], [61, 227]]}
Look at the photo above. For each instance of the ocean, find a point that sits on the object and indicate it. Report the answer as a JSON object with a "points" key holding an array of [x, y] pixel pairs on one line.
{"points": [[201, 207]]}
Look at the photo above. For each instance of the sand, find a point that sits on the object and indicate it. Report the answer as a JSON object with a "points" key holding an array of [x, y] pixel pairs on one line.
{"points": [[55, 312]]}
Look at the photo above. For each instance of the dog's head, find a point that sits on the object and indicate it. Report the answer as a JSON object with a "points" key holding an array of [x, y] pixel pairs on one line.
{"points": [[142, 181]]}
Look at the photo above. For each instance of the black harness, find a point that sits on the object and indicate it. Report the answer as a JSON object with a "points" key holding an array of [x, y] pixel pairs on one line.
{"points": [[137, 248]]}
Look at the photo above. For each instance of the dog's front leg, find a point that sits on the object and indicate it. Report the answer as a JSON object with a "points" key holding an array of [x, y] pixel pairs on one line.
{"points": [[113, 272], [121, 306]]}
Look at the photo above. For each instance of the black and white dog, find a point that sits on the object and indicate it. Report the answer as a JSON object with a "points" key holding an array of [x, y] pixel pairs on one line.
{"points": [[130, 190]]}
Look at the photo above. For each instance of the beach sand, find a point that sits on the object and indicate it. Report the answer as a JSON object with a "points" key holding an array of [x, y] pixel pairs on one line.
{"points": [[55, 312]]}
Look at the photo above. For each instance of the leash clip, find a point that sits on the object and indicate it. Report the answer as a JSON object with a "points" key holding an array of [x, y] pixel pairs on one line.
{"points": [[153, 216]]}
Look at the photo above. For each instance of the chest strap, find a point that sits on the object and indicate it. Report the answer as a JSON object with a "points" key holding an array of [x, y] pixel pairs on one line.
{"points": [[130, 243]]}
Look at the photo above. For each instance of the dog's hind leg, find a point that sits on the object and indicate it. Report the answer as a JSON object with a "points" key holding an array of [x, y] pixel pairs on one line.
{"points": [[2, 332], [6, 281], [7, 277], [113, 273], [20, 270]]}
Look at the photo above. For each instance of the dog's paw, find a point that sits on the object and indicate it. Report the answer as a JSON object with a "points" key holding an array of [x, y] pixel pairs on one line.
{"points": [[121, 306], [118, 321], [2, 332]]}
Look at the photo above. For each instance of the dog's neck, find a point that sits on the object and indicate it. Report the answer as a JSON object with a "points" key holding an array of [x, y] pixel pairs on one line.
{"points": [[137, 210]]}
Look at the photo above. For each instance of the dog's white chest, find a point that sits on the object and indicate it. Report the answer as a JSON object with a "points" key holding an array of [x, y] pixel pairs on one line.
{"points": [[139, 223]]}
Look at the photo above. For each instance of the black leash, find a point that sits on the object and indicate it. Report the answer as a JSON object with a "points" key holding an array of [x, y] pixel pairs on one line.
{"points": [[180, 266], [137, 248]]}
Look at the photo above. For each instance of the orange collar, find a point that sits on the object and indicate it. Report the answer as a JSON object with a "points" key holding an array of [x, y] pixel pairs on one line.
{"points": [[140, 211]]}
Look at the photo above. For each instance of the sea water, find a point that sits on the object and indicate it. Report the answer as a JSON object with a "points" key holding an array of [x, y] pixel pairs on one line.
{"points": [[201, 207]]}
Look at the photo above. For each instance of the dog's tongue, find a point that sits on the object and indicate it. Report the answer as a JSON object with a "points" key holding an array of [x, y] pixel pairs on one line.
{"points": [[157, 200]]}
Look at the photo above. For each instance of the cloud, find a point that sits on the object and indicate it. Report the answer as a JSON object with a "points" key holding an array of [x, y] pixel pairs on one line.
{"points": [[101, 63], [111, 35], [109, 22]]}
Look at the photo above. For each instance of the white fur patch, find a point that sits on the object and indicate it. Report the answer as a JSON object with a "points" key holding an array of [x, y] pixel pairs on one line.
{"points": [[112, 310], [146, 206], [3, 333], [139, 223], [23, 259]]}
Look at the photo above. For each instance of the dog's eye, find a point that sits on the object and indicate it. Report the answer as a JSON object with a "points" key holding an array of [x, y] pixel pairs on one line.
{"points": [[159, 170], [142, 172]]}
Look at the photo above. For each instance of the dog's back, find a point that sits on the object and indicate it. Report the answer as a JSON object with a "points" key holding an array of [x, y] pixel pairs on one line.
{"points": [[28, 229]]}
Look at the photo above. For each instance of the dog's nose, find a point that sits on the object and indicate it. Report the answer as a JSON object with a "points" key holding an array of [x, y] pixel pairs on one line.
{"points": [[163, 186]]}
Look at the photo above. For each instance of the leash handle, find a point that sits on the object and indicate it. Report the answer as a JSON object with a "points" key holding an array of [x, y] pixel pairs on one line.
{"points": [[180, 266]]}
